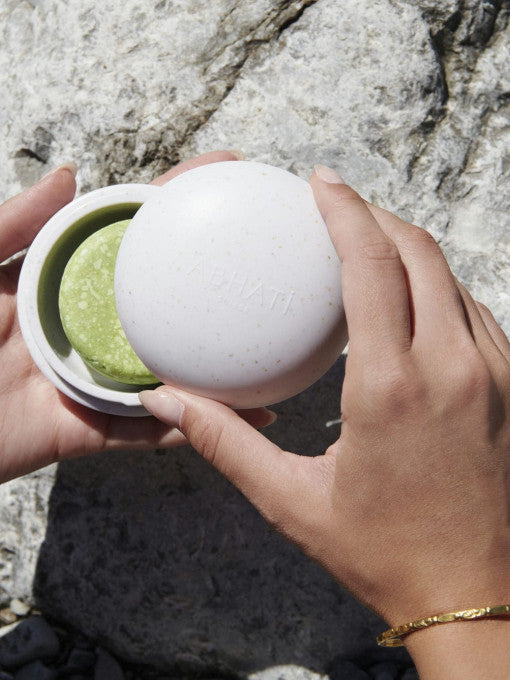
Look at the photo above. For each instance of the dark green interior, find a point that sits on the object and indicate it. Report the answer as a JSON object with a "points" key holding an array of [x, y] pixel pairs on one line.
{"points": [[51, 276]]}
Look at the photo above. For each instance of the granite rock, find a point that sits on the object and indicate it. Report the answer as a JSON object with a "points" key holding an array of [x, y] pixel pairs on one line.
{"points": [[286, 671], [19, 608], [154, 554], [23, 519]]}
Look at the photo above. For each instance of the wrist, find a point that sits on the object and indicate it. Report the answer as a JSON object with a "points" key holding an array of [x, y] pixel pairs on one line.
{"points": [[462, 650], [449, 592]]}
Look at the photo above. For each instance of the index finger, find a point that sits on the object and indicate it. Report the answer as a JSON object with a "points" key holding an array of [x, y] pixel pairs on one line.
{"points": [[374, 285], [203, 159]]}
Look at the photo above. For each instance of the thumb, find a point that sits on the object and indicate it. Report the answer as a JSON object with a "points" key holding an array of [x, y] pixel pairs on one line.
{"points": [[256, 466]]}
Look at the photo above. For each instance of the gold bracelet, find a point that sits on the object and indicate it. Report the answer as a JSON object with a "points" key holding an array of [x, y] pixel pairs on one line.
{"points": [[393, 636]]}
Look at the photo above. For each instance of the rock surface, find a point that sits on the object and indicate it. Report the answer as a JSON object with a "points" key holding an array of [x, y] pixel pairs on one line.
{"points": [[32, 639], [35, 671], [409, 99], [106, 667]]}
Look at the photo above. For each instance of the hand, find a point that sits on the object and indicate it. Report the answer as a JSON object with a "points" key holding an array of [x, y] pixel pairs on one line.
{"points": [[38, 424], [409, 509]]}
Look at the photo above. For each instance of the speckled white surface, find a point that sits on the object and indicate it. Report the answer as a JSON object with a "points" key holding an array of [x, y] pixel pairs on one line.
{"points": [[227, 284]]}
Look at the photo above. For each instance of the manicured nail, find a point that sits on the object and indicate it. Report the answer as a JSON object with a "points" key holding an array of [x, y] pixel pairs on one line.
{"points": [[328, 174], [164, 405], [238, 154], [70, 167]]}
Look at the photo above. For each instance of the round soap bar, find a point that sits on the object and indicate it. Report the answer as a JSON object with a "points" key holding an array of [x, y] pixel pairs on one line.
{"points": [[88, 312], [227, 284]]}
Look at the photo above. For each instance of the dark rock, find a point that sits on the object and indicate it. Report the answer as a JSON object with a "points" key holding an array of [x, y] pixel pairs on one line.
{"points": [[80, 660], [82, 642], [35, 671], [410, 674], [384, 671], [32, 639], [346, 670], [106, 667]]}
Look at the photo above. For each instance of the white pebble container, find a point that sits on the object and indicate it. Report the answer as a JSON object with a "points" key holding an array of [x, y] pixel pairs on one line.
{"points": [[226, 285]]}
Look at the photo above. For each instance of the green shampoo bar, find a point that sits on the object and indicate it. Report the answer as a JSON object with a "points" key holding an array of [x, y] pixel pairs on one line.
{"points": [[88, 311]]}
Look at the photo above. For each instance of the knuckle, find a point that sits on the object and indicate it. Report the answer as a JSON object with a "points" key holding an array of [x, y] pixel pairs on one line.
{"points": [[395, 392], [345, 197], [396, 389], [380, 250], [418, 238], [465, 378], [474, 377]]}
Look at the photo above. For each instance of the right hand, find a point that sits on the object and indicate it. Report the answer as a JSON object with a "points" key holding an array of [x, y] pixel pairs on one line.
{"points": [[410, 508]]}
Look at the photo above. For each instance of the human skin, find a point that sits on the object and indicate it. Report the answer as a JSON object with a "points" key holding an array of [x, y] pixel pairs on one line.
{"points": [[38, 424], [409, 508]]}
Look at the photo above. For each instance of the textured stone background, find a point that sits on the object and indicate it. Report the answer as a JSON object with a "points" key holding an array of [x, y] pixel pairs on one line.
{"points": [[154, 553]]}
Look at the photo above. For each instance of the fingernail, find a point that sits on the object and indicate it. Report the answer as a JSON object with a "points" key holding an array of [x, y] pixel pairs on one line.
{"points": [[328, 174], [271, 417], [238, 154], [164, 405], [70, 167]]}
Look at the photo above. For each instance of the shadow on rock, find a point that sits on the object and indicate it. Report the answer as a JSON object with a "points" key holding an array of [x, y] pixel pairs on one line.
{"points": [[160, 559]]}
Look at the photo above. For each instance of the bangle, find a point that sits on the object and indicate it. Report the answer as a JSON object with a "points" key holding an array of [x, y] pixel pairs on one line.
{"points": [[393, 636]]}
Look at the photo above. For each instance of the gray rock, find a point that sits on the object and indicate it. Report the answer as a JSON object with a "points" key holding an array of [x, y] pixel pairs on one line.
{"points": [[106, 667], [346, 670], [23, 519], [220, 573], [31, 639], [286, 672], [427, 140], [83, 643], [80, 660], [18, 607], [154, 554], [410, 674], [384, 671], [35, 671], [7, 616]]}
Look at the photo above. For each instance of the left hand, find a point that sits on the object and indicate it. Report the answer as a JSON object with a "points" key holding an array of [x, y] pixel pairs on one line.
{"points": [[38, 424]]}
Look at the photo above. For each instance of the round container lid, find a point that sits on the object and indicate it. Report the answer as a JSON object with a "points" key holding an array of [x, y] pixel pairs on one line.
{"points": [[227, 285]]}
